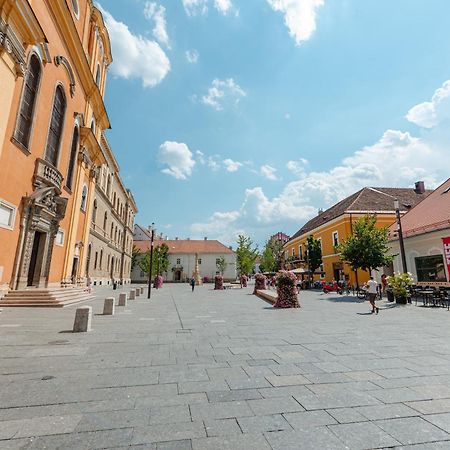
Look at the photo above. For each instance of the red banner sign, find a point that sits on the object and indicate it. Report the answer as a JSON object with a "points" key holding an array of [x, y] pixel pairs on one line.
{"points": [[446, 242]]}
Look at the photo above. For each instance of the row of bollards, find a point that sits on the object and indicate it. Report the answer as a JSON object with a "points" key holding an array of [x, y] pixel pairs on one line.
{"points": [[83, 315]]}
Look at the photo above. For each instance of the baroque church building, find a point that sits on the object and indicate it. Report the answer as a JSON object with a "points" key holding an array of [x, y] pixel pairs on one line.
{"points": [[57, 171]]}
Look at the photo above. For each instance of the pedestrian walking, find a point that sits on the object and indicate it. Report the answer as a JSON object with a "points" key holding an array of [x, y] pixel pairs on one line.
{"points": [[193, 283], [383, 284], [372, 290]]}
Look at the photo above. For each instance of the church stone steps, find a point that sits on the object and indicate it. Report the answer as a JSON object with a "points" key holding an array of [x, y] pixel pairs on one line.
{"points": [[56, 298]]}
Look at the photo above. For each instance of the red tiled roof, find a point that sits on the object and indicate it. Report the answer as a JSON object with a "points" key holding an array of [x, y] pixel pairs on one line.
{"points": [[366, 200], [186, 246], [430, 215]]}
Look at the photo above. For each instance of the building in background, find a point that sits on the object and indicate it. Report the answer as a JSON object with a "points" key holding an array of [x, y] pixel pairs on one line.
{"points": [[52, 142], [280, 237], [183, 254], [334, 225], [426, 237]]}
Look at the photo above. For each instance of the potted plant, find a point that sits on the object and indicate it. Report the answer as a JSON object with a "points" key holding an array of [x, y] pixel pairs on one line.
{"points": [[218, 283], [260, 282], [400, 283]]}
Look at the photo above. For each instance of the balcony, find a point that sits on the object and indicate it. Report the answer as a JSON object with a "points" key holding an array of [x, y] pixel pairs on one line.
{"points": [[47, 175]]}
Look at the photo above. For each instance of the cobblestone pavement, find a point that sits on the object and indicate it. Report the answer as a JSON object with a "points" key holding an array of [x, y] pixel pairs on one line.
{"points": [[224, 370]]}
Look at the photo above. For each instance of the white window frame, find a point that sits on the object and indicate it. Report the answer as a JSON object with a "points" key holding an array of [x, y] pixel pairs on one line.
{"points": [[293, 251], [178, 261], [60, 232], [199, 261], [83, 205], [12, 216], [300, 252], [335, 233], [322, 272]]}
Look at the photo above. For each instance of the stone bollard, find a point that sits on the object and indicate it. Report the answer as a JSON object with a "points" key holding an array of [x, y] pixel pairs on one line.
{"points": [[83, 318], [123, 299], [132, 294], [108, 307], [142, 290], [138, 292]]}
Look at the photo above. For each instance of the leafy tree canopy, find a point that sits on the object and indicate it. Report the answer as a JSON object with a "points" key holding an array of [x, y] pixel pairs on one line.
{"points": [[246, 254], [272, 256], [221, 265], [160, 260], [367, 247], [313, 253]]}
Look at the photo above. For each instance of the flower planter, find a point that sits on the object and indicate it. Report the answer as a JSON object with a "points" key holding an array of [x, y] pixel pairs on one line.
{"points": [[218, 283], [286, 290], [260, 282], [401, 300]]}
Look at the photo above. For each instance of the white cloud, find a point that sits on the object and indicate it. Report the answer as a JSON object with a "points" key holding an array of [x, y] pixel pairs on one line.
{"points": [[134, 55], [200, 7], [223, 6], [268, 172], [299, 16], [431, 114], [192, 56], [222, 92], [178, 159], [194, 7], [157, 13], [231, 166], [396, 159]]}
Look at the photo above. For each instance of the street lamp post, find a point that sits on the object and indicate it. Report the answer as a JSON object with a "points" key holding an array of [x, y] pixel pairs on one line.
{"points": [[151, 262], [400, 235]]}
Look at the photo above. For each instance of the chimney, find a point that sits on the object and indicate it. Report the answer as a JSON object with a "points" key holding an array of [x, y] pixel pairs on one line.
{"points": [[188, 239], [205, 238], [176, 238], [419, 187], [320, 211]]}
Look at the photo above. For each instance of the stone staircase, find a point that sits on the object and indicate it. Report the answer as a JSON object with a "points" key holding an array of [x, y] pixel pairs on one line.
{"points": [[50, 298]]}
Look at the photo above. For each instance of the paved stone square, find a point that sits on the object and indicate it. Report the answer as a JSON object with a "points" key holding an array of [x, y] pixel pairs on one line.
{"points": [[224, 370]]}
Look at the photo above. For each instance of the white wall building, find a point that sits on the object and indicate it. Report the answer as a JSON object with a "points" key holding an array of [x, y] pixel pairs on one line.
{"points": [[426, 230], [182, 257]]}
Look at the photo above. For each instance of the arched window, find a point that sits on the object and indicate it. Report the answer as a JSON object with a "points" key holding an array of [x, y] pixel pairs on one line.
{"points": [[28, 103], [88, 259], [73, 157], [94, 211], [76, 9], [98, 76], [56, 127], [105, 220], [84, 198], [114, 201]]}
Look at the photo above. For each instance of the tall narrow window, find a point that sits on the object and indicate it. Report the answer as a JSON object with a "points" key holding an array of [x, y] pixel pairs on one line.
{"points": [[27, 106], [73, 157], [94, 211], [84, 198], [98, 76], [56, 127]]}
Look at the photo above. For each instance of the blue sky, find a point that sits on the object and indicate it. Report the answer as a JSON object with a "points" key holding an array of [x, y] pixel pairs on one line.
{"points": [[234, 116]]}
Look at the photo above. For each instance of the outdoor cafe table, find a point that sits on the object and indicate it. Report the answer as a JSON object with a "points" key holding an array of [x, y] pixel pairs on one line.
{"points": [[426, 294]]}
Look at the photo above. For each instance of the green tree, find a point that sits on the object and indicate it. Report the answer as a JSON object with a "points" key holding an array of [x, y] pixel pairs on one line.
{"points": [[246, 255], [161, 254], [272, 255], [160, 260], [313, 254], [367, 247], [136, 253], [221, 265]]}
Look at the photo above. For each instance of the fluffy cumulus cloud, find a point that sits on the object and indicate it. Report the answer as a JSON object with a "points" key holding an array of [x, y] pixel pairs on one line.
{"points": [[177, 159], [135, 56], [299, 16], [223, 92], [196, 7], [432, 113], [231, 166], [268, 172], [157, 13], [397, 159], [192, 56]]}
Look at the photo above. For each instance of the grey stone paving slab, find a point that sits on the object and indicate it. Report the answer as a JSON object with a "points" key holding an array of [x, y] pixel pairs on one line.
{"points": [[390, 411], [175, 445], [169, 414], [364, 375], [181, 399], [222, 427], [168, 432], [261, 424], [112, 419], [440, 420], [309, 419], [363, 435], [284, 391], [235, 442], [335, 400], [431, 406], [347, 415], [202, 386], [287, 380], [229, 396], [317, 438], [268, 406], [222, 410], [248, 383], [412, 430]]}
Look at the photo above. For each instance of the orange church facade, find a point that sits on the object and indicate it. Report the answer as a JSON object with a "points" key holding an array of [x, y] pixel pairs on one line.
{"points": [[54, 60]]}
